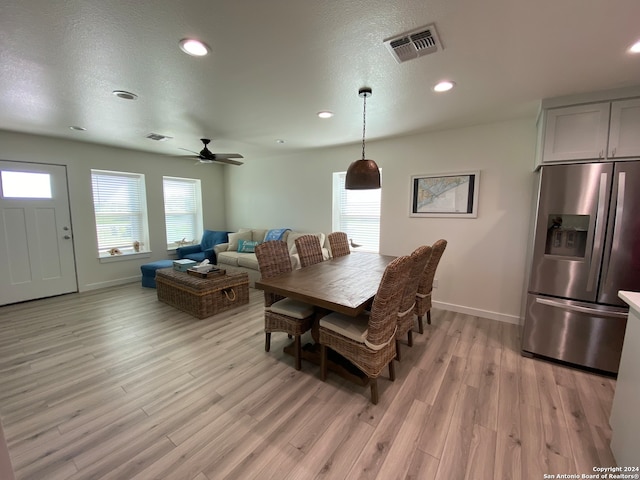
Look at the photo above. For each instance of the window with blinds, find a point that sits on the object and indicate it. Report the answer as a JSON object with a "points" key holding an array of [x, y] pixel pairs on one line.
{"points": [[119, 202], [357, 213], [182, 210]]}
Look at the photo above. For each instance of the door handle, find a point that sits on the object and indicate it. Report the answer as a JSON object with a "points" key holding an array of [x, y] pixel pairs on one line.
{"points": [[580, 309], [597, 237]]}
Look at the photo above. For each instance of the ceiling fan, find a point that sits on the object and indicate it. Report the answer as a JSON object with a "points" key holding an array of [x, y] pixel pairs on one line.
{"points": [[206, 156]]}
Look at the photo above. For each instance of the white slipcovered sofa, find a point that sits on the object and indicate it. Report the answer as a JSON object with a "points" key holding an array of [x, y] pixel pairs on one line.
{"points": [[238, 254]]}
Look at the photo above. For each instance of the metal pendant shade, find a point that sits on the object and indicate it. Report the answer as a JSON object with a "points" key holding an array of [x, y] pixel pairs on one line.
{"points": [[363, 174]]}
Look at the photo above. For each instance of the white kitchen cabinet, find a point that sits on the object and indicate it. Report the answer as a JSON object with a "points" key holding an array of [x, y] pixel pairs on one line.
{"points": [[624, 133], [592, 131], [576, 133]]}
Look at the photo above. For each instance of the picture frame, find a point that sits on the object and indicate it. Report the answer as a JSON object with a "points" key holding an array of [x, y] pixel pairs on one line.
{"points": [[453, 195]]}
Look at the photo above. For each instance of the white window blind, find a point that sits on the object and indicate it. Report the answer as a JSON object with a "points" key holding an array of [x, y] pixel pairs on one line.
{"points": [[182, 210], [357, 213], [120, 206]]}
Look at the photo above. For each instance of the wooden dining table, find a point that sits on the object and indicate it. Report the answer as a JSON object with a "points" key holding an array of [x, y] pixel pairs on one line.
{"points": [[344, 284]]}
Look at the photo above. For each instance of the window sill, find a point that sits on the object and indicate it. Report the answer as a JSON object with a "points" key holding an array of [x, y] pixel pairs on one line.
{"points": [[123, 257]]}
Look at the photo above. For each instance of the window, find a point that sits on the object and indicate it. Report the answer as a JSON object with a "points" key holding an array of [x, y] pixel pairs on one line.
{"points": [[25, 184], [119, 202], [182, 210], [357, 213]]}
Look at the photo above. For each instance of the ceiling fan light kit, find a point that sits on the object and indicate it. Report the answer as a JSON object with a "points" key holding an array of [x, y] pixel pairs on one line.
{"points": [[363, 174]]}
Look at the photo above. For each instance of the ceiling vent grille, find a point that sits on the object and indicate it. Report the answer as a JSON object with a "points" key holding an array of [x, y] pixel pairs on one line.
{"points": [[157, 137], [414, 44]]}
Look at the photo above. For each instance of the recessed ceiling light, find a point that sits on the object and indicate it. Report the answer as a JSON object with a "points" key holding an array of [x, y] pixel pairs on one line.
{"points": [[75, 127], [193, 47], [125, 95], [444, 86], [325, 114], [280, 141], [635, 48]]}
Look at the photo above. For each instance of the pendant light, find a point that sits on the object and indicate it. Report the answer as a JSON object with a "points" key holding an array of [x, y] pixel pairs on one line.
{"points": [[363, 174]]}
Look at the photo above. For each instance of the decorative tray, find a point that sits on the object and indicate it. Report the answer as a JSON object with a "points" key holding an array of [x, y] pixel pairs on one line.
{"points": [[215, 272]]}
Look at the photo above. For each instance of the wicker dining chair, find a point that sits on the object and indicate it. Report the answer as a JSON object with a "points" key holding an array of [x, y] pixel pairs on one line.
{"points": [[425, 287], [368, 341], [282, 314], [309, 250], [339, 244], [406, 319]]}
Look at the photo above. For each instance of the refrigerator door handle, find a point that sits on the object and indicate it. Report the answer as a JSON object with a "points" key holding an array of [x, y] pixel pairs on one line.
{"points": [[622, 176], [615, 243], [581, 309], [599, 233]]}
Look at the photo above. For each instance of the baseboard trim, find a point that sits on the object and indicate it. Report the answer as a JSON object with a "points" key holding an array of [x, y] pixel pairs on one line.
{"points": [[500, 317], [111, 283]]}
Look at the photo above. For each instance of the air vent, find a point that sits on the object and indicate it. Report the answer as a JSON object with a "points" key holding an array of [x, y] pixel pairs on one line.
{"points": [[414, 44], [157, 137]]}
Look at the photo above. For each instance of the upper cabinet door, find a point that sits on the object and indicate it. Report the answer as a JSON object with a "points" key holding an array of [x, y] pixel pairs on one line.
{"points": [[576, 133], [624, 137]]}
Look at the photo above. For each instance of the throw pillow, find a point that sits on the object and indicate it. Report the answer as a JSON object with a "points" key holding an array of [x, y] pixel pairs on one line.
{"points": [[257, 235], [235, 237], [247, 246]]}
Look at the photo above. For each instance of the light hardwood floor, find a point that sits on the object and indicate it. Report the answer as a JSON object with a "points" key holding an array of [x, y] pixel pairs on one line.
{"points": [[113, 384]]}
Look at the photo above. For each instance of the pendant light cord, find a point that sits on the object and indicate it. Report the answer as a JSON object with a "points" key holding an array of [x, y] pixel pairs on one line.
{"points": [[364, 122]]}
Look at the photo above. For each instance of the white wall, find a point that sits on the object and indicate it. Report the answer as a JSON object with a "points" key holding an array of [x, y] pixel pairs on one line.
{"points": [[483, 269], [80, 158]]}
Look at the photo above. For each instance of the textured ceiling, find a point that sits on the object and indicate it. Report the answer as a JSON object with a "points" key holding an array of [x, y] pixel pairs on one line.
{"points": [[274, 64]]}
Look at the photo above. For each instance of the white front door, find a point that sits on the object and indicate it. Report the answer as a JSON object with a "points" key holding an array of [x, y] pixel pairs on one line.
{"points": [[36, 241]]}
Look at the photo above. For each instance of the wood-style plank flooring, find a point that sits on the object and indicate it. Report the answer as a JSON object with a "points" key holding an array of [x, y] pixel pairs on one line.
{"points": [[112, 384]]}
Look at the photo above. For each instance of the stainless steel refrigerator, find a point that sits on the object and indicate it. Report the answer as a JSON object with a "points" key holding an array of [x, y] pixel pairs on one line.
{"points": [[586, 249]]}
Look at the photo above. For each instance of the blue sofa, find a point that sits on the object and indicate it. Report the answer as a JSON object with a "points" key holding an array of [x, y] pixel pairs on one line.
{"points": [[210, 238]]}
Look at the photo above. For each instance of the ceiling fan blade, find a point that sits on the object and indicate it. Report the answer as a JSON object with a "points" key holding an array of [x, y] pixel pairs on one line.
{"points": [[228, 161], [187, 150], [227, 155]]}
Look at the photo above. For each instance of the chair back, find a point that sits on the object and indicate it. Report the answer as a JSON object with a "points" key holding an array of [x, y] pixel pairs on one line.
{"points": [[419, 258], [426, 280], [309, 250], [386, 303], [339, 244], [273, 259]]}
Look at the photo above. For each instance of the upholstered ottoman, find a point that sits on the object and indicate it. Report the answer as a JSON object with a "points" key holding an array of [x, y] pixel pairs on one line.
{"points": [[202, 297], [149, 272]]}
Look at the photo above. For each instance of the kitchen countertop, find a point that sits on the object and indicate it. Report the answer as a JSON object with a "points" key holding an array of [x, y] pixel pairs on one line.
{"points": [[632, 298], [625, 423]]}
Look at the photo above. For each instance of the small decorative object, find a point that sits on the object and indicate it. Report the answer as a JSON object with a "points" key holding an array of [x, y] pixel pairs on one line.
{"points": [[136, 246], [115, 251], [183, 242], [445, 195]]}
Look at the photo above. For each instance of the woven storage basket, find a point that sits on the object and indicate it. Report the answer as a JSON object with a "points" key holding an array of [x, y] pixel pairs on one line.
{"points": [[202, 297]]}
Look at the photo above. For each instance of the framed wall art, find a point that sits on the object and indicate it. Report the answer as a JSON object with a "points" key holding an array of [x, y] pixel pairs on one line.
{"points": [[445, 195]]}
